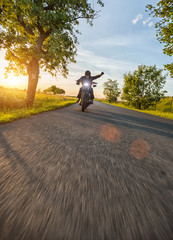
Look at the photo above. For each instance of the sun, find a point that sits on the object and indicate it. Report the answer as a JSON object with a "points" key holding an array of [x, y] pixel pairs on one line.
{"points": [[14, 81]]}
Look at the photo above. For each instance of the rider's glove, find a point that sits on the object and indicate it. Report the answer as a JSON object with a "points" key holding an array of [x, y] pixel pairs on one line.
{"points": [[102, 73]]}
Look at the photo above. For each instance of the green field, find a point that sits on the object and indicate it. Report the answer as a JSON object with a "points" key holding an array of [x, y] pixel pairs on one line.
{"points": [[164, 107], [12, 104]]}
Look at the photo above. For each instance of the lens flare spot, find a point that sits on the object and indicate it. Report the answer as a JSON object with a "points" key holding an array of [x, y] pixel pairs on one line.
{"points": [[110, 133], [140, 149]]}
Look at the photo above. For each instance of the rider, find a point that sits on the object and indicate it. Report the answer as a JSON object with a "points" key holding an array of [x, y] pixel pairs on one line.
{"points": [[89, 79]]}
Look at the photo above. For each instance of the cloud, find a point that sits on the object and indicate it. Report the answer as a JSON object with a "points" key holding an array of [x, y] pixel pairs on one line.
{"points": [[138, 18], [146, 21], [150, 24], [112, 41], [96, 63]]}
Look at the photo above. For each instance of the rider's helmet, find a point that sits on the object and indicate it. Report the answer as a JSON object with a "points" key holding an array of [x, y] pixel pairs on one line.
{"points": [[87, 73]]}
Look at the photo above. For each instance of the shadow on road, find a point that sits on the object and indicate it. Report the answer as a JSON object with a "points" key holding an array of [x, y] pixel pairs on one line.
{"points": [[138, 123], [20, 164]]}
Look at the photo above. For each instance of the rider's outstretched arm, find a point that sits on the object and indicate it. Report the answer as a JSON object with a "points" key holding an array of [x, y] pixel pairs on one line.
{"points": [[97, 76]]}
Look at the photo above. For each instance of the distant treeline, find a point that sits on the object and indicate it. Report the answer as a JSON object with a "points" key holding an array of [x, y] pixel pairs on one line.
{"points": [[55, 90]]}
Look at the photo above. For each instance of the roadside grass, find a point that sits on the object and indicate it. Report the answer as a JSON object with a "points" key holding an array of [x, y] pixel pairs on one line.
{"points": [[162, 110], [12, 104]]}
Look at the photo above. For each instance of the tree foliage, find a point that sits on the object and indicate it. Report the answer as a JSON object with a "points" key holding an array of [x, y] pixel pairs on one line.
{"points": [[42, 29], [164, 11], [55, 90], [111, 90], [143, 87], [41, 33]]}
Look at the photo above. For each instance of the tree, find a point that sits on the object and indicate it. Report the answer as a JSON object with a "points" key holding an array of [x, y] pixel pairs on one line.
{"points": [[142, 88], [41, 34], [111, 90], [164, 11], [60, 91], [54, 90]]}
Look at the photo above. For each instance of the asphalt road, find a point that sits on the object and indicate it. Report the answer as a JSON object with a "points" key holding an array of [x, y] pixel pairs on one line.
{"points": [[104, 174]]}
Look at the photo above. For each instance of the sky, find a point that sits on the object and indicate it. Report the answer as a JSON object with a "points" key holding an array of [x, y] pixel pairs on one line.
{"points": [[122, 38]]}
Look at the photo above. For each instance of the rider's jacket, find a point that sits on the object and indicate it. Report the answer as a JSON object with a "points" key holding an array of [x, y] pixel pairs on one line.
{"points": [[90, 79]]}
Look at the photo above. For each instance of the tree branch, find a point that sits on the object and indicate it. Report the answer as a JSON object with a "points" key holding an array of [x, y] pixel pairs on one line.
{"points": [[49, 7], [39, 27], [44, 52], [41, 39], [27, 29], [95, 15], [21, 61]]}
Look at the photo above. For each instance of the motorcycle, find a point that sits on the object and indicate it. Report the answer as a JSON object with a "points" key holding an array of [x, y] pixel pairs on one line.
{"points": [[86, 95]]}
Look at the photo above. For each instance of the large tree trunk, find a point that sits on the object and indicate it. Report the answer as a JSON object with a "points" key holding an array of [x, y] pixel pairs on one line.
{"points": [[33, 74]]}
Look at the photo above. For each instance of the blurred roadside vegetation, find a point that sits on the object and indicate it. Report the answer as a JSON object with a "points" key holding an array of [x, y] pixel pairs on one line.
{"points": [[164, 107], [13, 104]]}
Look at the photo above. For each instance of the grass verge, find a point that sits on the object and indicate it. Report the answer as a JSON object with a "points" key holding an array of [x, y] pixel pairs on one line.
{"points": [[12, 104], [158, 112]]}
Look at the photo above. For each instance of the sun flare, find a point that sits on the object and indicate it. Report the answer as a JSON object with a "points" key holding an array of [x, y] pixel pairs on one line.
{"points": [[14, 81]]}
